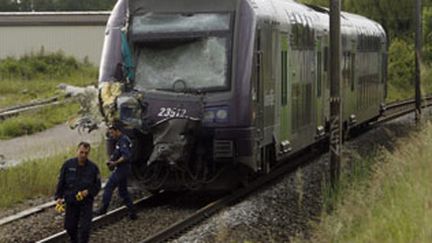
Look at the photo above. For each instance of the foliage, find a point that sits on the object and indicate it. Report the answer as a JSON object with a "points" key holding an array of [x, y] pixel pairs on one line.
{"points": [[401, 63], [40, 65], [37, 76], [39, 177], [427, 30]]}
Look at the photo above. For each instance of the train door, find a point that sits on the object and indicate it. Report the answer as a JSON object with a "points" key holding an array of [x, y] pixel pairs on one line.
{"points": [[325, 92], [348, 81], [302, 69], [267, 45], [319, 89], [257, 98], [285, 114]]}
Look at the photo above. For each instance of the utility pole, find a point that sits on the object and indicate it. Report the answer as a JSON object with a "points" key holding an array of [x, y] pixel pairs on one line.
{"points": [[418, 47], [335, 93]]}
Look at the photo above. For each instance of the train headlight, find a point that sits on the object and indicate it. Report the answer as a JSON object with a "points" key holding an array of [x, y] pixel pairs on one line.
{"points": [[130, 112], [215, 114], [222, 114], [209, 116]]}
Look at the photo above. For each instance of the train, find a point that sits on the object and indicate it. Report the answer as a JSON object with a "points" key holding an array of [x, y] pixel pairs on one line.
{"points": [[214, 92]]}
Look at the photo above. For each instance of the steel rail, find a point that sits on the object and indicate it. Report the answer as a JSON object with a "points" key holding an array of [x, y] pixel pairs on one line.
{"points": [[205, 212], [16, 110], [31, 211], [395, 111], [411, 101], [111, 216]]}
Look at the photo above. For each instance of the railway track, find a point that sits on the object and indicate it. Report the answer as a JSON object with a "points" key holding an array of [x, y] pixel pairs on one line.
{"points": [[186, 219], [112, 216], [181, 226], [391, 111], [16, 110], [400, 108]]}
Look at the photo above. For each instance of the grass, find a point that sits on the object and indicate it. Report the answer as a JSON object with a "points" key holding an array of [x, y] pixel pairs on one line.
{"points": [[36, 77], [14, 92], [389, 199], [36, 178], [33, 122]]}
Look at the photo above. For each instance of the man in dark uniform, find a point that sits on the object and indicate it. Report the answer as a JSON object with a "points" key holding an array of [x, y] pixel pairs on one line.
{"points": [[120, 164], [79, 182]]}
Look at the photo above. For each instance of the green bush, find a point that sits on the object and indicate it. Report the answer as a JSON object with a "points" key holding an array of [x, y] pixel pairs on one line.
{"points": [[427, 32], [401, 63], [40, 65]]}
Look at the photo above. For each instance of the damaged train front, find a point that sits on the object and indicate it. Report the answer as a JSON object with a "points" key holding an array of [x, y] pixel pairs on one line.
{"points": [[156, 72]]}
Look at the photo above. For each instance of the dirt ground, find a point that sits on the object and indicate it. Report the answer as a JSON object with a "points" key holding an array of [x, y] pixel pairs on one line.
{"points": [[52, 141]]}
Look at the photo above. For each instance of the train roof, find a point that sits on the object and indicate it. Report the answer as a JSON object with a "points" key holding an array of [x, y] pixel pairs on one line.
{"points": [[289, 11], [284, 12]]}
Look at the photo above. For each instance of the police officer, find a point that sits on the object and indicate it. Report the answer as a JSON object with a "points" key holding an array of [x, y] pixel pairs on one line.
{"points": [[120, 164], [79, 182]]}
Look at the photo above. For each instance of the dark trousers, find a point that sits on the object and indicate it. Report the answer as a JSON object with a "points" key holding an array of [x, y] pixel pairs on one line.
{"points": [[78, 221], [118, 179]]}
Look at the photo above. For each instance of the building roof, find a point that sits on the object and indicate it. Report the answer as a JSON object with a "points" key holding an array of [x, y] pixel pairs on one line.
{"points": [[53, 18]]}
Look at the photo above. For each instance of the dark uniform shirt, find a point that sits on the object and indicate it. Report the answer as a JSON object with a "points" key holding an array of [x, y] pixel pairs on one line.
{"points": [[74, 178], [123, 148]]}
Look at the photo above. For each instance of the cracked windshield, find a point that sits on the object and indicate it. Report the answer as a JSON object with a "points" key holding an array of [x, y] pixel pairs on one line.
{"points": [[194, 65]]}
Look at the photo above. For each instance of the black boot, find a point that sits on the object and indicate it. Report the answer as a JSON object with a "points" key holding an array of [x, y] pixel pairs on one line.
{"points": [[100, 211]]}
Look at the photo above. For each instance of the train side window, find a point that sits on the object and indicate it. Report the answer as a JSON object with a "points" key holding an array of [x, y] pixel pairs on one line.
{"points": [[326, 59], [384, 68], [352, 71], [319, 60], [258, 66], [284, 78]]}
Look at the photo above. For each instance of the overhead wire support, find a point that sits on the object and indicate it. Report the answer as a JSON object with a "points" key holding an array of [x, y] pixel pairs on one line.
{"points": [[418, 58], [335, 93]]}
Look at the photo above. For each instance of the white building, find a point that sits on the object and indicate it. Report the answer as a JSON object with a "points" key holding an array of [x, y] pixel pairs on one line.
{"points": [[78, 34]]}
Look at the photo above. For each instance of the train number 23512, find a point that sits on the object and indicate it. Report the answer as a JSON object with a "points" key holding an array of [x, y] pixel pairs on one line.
{"points": [[172, 112]]}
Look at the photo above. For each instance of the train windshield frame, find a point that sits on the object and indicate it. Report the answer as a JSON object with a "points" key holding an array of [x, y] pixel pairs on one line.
{"points": [[182, 53]]}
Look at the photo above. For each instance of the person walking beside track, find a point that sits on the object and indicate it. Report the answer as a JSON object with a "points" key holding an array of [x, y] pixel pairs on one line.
{"points": [[119, 163], [79, 182]]}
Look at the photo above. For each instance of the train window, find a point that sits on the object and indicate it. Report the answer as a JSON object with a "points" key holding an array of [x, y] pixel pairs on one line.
{"points": [[345, 68], [258, 66], [384, 68], [326, 59], [194, 65], [152, 23], [319, 84], [302, 37], [352, 71], [369, 43], [284, 77]]}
